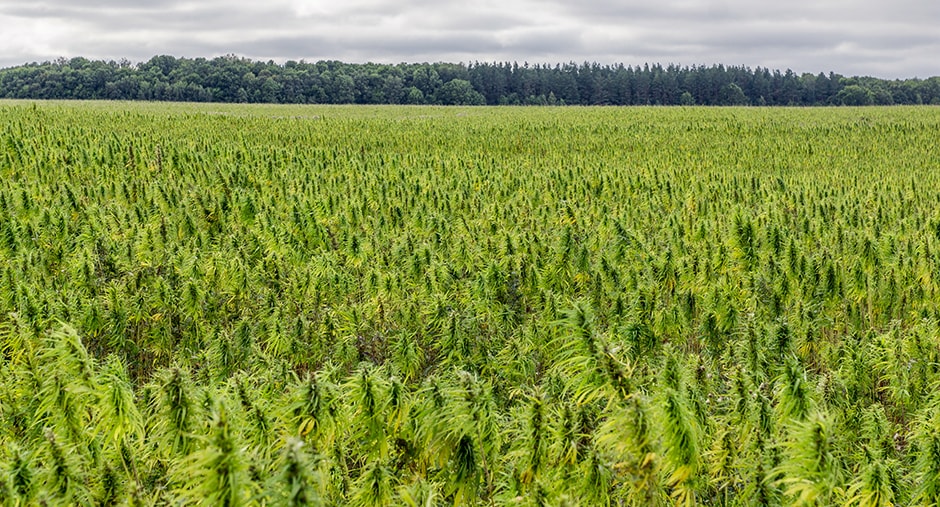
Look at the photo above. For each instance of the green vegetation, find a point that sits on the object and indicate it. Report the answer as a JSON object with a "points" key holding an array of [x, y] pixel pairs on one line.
{"points": [[234, 79], [241, 305]]}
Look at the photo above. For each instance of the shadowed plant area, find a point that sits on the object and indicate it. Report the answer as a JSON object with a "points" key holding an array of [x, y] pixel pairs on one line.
{"points": [[428, 306]]}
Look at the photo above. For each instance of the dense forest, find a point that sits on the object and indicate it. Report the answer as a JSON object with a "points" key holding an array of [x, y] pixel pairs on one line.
{"points": [[235, 79]]}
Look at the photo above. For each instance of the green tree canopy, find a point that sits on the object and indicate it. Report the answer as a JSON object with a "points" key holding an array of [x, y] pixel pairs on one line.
{"points": [[855, 95], [460, 92], [234, 79]]}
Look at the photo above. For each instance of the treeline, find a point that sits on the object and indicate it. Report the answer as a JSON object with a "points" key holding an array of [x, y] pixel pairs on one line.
{"points": [[235, 79]]}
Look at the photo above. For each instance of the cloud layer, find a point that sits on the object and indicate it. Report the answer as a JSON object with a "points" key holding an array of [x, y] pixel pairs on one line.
{"points": [[852, 37]]}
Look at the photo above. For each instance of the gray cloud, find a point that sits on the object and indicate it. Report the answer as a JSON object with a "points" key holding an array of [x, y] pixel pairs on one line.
{"points": [[866, 37]]}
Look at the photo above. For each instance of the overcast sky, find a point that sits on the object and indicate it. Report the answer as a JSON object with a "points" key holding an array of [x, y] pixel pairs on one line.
{"points": [[893, 39]]}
